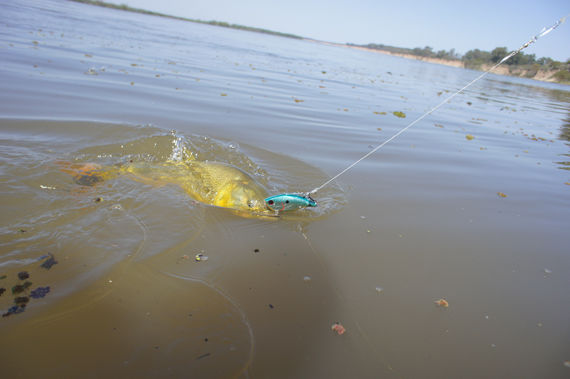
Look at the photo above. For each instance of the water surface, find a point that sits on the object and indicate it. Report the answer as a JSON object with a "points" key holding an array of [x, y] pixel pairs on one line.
{"points": [[422, 219]]}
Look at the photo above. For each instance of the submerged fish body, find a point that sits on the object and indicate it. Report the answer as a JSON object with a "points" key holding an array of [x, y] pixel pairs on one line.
{"points": [[212, 183]]}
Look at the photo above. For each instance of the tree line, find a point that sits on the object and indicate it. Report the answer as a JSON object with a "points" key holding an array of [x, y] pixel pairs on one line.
{"points": [[476, 59]]}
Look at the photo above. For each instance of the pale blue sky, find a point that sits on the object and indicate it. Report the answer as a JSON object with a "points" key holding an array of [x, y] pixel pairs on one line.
{"points": [[441, 24]]}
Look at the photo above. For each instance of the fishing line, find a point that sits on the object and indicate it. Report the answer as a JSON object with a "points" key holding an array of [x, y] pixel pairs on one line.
{"points": [[286, 202], [543, 32]]}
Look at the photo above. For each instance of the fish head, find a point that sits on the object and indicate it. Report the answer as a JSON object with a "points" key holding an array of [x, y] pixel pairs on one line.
{"points": [[241, 195]]}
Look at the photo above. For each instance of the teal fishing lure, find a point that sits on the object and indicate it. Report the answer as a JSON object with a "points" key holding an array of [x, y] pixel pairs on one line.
{"points": [[289, 202]]}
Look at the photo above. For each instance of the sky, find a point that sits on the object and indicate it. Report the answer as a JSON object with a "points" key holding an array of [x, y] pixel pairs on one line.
{"points": [[440, 24]]}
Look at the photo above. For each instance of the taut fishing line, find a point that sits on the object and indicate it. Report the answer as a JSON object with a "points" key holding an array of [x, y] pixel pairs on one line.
{"points": [[288, 202]]}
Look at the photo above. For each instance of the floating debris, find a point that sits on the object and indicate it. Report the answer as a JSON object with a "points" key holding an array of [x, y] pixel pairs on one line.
{"points": [[223, 94], [381, 113], [49, 262], [256, 250], [442, 303], [19, 288], [566, 364], [306, 278], [338, 328], [500, 194], [39, 292], [469, 137], [21, 300], [98, 199], [298, 100], [91, 71], [46, 187], [200, 257], [14, 310], [271, 306], [438, 125], [203, 356], [399, 114], [23, 275], [379, 289], [2, 290], [547, 271]]}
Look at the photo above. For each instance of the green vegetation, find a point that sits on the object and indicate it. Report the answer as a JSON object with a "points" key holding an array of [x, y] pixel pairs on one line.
{"points": [[519, 65], [426, 52], [525, 65], [125, 7]]}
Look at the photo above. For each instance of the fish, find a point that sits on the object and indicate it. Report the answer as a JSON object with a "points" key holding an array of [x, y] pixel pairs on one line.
{"points": [[213, 183]]}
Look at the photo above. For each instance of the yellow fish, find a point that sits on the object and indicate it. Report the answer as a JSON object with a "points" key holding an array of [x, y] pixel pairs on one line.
{"points": [[213, 183]]}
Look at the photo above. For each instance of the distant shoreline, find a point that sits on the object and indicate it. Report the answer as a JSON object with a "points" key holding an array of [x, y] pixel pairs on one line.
{"points": [[516, 71], [126, 8]]}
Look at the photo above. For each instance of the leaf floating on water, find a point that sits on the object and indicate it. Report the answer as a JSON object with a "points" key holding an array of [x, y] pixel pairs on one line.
{"points": [[469, 137], [14, 310], [399, 114], [501, 194], [381, 113], [19, 288], [23, 275], [49, 262], [223, 94], [442, 303], [22, 300], [2, 290], [39, 292], [298, 100], [338, 328]]}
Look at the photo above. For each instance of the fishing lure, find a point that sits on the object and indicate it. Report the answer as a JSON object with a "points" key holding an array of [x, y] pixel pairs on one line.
{"points": [[289, 202]]}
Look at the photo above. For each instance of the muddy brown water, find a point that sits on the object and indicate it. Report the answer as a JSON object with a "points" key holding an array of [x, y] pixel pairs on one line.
{"points": [[471, 206]]}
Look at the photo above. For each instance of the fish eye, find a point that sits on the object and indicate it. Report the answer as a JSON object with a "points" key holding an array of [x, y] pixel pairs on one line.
{"points": [[270, 202], [286, 201]]}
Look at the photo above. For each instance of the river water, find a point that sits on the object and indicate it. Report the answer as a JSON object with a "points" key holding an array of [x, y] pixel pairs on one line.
{"points": [[132, 279]]}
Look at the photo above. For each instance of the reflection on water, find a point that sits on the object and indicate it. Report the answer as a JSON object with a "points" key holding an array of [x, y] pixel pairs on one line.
{"points": [[98, 268]]}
